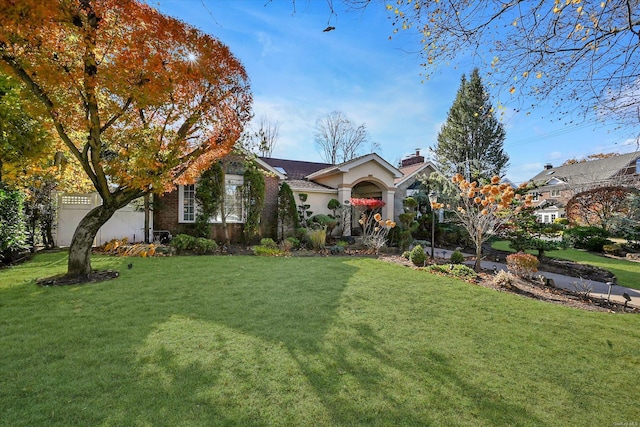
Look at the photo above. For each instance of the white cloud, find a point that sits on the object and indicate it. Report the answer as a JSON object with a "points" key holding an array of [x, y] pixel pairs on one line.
{"points": [[266, 44]]}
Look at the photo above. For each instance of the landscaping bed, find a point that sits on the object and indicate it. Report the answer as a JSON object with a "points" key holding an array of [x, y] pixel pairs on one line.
{"points": [[536, 290]]}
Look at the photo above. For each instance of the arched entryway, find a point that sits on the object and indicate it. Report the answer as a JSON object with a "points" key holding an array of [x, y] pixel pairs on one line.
{"points": [[370, 188]]}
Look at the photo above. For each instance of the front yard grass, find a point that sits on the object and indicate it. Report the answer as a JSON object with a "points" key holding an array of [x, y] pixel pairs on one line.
{"points": [[323, 341], [627, 272]]}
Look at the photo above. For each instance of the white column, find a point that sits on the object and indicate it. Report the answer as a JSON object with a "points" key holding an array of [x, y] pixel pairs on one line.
{"points": [[388, 209], [344, 194]]}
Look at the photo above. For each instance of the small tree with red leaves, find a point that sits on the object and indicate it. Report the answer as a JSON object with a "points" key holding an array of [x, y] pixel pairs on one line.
{"points": [[596, 207]]}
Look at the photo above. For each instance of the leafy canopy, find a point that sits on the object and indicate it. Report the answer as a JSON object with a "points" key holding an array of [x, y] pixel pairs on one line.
{"points": [[581, 54], [139, 98]]}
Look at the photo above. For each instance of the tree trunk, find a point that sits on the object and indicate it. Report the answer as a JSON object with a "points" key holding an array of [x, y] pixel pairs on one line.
{"points": [[478, 266], [79, 264], [147, 210]]}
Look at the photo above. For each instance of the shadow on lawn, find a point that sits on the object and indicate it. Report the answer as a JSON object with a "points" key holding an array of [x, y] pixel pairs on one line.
{"points": [[224, 350], [287, 355]]}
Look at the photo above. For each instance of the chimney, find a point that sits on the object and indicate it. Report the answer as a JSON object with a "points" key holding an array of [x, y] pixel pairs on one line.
{"points": [[548, 166], [415, 159]]}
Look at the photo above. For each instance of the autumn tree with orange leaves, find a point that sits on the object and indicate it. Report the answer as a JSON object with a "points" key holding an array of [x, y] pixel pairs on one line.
{"points": [[141, 100], [483, 209]]}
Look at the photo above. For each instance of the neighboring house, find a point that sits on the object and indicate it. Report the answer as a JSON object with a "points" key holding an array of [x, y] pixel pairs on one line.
{"points": [[557, 185], [411, 168], [362, 177]]}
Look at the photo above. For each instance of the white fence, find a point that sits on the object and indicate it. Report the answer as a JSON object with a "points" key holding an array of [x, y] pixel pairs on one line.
{"points": [[127, 222]]}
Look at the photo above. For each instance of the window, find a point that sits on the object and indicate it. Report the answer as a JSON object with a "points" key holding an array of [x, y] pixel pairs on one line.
{"points": [[535, 197], [232, 200], [187, 203], [555, 193], [553, 217]]}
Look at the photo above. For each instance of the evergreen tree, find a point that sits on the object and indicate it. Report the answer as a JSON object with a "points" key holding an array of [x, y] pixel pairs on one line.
{"points": [[470, 142]]}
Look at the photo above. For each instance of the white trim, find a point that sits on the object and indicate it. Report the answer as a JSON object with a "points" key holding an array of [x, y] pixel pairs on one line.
{"points": [[347, 166], [181, 205], [270, 168]]}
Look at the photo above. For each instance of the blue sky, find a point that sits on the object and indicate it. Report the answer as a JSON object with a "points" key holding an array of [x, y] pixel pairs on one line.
{"points": [[300, 73]]}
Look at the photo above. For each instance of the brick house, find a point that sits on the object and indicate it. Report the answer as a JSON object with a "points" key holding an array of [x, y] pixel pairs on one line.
{"points": [[365, 176], [557, 185]]}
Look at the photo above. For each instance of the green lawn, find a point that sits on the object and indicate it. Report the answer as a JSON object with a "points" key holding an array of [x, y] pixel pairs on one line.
{"points": [[627, 272], [337, 341]]}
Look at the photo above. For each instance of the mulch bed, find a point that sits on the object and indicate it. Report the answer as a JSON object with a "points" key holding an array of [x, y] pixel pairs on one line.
{"points": [[64, 280]]}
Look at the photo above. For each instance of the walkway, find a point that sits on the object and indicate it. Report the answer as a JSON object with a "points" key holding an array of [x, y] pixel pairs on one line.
{"points": [[599, 289]]}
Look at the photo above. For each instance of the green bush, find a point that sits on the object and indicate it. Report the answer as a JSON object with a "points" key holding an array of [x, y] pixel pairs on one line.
{"points": [[406, 255], [596, 244], [183, 242], [267, 251], [417, 256], [200, 245], [342, 243], [268, 243], [324, 220], [13, 234], [336, 249], [586, 237], [295, 243], [458, 270], [457, 257], [205, 246]]}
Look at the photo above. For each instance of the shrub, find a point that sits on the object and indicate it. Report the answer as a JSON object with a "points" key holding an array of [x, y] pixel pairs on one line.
{"points": [[458, 270], [596, 244], [13, 234], [205, 246], [375, 230], [457, 257], [324, 221], [267, 251], [295, 243], [614, 249], [586, 237], [183, 242], [417, 256], [286, 245], [423, 243], [522, 264], [504, 279], [268, 243], [406, 254], [342, 243], [317, 238], [336, 249]]}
